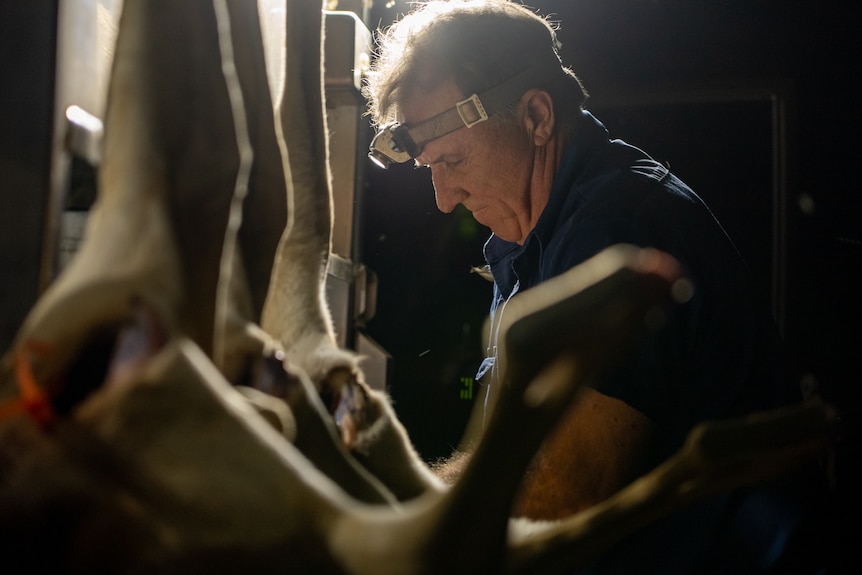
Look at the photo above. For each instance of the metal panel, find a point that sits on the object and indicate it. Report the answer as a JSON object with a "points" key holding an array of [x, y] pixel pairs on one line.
{"points": [[86, 36]]}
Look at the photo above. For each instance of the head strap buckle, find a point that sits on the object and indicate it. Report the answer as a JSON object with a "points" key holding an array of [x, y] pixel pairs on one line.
{"points": [[474, 116]]}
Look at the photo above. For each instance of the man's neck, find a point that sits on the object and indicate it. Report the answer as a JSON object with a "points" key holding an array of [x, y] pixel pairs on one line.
{"points": [[546, 162]]}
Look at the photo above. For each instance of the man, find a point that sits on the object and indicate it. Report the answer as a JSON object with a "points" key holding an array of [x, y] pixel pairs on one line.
{"points": [[476, 91]]}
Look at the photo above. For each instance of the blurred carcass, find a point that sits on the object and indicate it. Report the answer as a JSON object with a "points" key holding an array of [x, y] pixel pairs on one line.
{"points": [[161, 407]]}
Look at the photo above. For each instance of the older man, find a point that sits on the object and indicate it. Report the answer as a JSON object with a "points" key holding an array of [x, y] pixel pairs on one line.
{"points": [[476, 92]]}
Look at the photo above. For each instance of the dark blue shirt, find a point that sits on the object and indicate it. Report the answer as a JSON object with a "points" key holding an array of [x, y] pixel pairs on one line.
{"points": [[719, 354]]}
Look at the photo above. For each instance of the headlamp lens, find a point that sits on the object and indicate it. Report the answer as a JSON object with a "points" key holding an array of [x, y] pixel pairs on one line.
{"points": [[380, 159], [391, 144]]}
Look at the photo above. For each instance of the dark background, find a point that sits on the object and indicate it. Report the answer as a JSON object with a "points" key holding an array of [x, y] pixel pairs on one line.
{"points": [[695, 83]]}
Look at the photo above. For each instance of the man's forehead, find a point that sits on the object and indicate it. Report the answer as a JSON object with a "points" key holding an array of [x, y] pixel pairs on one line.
{"points": [[420, 104]]}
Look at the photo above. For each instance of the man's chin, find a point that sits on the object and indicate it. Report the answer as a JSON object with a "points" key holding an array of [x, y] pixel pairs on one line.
{"points": [[504, 234]]}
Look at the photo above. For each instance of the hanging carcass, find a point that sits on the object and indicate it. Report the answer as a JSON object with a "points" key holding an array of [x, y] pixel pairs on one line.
{"points": [[127, 445]]}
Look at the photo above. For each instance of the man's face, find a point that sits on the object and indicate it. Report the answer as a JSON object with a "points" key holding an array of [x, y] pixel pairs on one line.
{"points": [[487, 167]]}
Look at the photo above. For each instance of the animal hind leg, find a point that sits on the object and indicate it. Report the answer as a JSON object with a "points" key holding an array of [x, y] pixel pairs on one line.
{"points": [[295, 312]]}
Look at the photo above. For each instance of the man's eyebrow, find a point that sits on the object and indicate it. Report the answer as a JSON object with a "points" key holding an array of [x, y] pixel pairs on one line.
{"points": [[443, 158], [422, 164]]}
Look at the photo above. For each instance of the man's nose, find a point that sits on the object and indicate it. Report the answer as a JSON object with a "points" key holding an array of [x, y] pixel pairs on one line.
{"points": [[447, 194]]}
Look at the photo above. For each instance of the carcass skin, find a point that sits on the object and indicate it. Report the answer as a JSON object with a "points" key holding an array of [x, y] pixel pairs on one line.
{"points": [[161, 464], [296, 313], [257, 504], [277, 241]]}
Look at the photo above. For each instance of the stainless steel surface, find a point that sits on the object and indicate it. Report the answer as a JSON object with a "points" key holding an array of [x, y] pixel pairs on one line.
{"points": [[86, 35]]}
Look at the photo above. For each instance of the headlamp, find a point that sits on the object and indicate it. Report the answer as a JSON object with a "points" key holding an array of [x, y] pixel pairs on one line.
{"points": [[391, 144], [399, 143]]}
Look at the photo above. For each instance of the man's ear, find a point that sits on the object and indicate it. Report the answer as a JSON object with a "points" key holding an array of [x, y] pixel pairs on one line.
{"points": [[538, 107]]}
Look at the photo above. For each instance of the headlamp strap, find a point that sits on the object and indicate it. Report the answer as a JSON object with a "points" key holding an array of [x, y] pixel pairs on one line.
{"points": [[468, 113], [476, 108], [399, 143]]}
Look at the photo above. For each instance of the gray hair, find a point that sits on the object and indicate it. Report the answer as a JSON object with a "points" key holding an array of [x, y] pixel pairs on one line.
{"points": [[478, 44]]}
